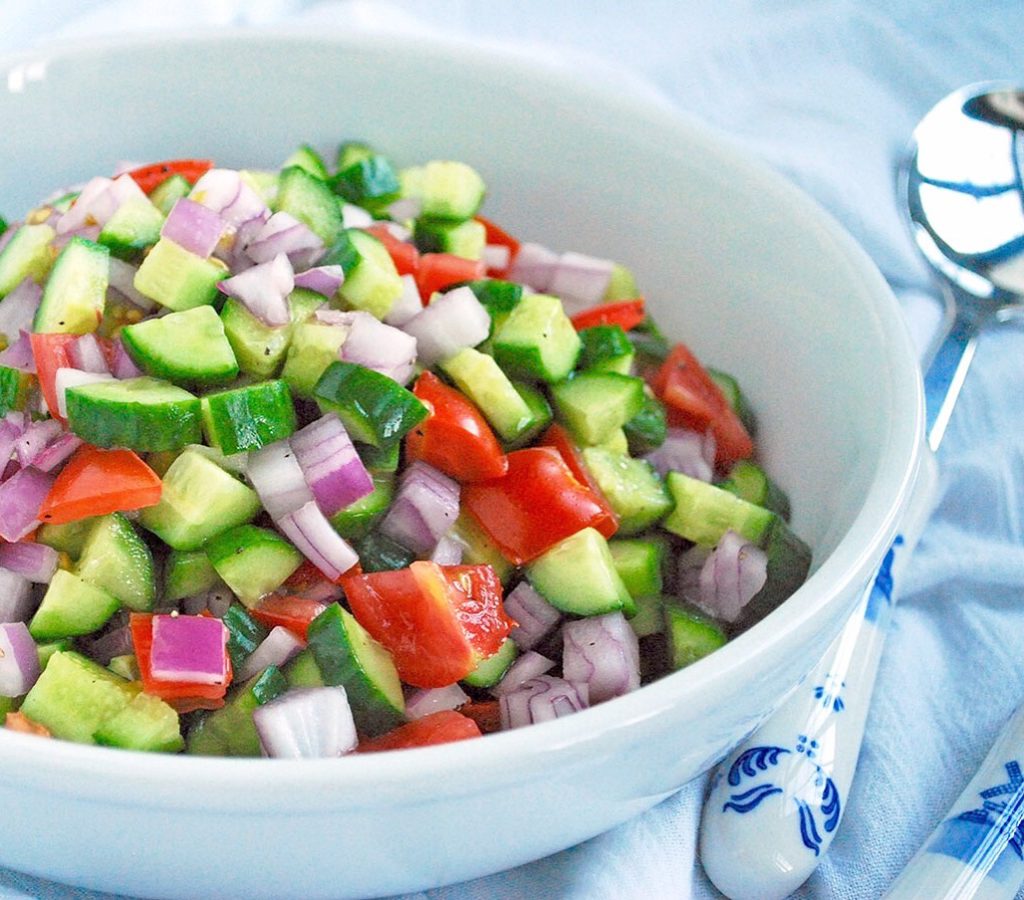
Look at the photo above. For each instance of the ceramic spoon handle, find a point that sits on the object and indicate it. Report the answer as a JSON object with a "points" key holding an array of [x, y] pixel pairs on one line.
{"points": [[976, 852], [776, 802]]}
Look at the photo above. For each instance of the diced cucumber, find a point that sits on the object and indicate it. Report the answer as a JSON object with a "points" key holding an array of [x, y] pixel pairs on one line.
{"points": [[45, 650], [260, 349], [303, 671], [481, 379], [730, 387], [187, 573], [134, 226], [649, 617], [478, 548], [143, 414], [314, 346], [249, 417], [75, 696], [632, 488], [69, 538], [187, 347], [347, 655], [369, 181], [76, 290], [230, 730], [537, 340], [14, 389], [355, 520], [789, 561], [115, 559], [177, 279], [26, 255], [639, 563], [621, 285], [127, 666], [146, 723], [199, 501], [704, 512], [380, 460], [750, 482], [446, 189], [252, 561], [375, 409], [245, 633], [372, 282], [71, 607], [498, 297], [489, 671], [691, 635], [593, 404], [466, 239], [169, 192], [540, 416], [379, 553], [262, 181], [311, 201], [350, 152], [578, 576], [305, 157], [652, 347], [616, 443], [647, 430], [606, 348]]}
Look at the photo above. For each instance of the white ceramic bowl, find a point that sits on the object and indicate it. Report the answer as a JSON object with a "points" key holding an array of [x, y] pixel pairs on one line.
{"points": [[731, 258]]}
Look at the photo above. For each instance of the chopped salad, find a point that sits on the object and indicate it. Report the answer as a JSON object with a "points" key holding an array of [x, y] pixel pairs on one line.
{"points": [[320, 460]]}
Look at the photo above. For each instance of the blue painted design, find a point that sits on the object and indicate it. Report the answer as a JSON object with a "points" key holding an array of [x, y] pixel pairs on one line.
{"points": [[748, 800], [808, 828], [979, 837], [881, 590], [830, 806], [807, 747], [828, 694], [756, 758]]}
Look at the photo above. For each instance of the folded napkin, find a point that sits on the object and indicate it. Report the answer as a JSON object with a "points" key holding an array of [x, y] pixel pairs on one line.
{"points": [[827, 93]]}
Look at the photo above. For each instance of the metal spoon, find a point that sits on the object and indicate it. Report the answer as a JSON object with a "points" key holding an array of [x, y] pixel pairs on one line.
{"points": [[776, 803]]}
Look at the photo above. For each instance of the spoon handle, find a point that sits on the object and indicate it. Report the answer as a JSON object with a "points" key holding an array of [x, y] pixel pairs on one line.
{"points": [[976, 851], [776, 802]]}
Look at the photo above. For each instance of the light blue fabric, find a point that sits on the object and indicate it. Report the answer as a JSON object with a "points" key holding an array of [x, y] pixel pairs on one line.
{"points": [[826, 92]]}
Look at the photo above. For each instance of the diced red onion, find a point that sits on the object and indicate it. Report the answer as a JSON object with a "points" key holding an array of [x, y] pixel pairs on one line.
{"points": [[353, 216], [35, 438], [405, 208], [82, 210], [16, 600], [448, 551], [407, 306], [454, 321], [18, 309], [224, 191], [425, 506], [496, 257], [56, 452], [580, 277], [274, 650], [731, 576], [686, 451], [308, 529], [323, 279], [31, 560], [86, 354], [534, 265], [124, 366], [688, 568], [9, 434], [306, 723], [122, 279], [282, 233], [526, 667], [275, 473], [19, 660], [330, 465], [19, 355], [116, 641], [89, 232], [420, 702], [233, 251], [541, 699], [69, 378], [193, 226], [21, 496], [264, 290], [192, 649], [377, 346], [534, 615], [603, 652]]}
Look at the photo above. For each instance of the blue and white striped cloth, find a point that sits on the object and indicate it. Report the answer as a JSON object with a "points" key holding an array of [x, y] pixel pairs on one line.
{"points": [[826, 91]]}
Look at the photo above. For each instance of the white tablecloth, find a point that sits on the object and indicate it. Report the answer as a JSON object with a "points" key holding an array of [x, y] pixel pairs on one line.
{"points": [[826, 91]]}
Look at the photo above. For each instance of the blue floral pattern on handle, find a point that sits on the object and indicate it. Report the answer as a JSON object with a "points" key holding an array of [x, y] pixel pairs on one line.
{"points": [[882, 587]]}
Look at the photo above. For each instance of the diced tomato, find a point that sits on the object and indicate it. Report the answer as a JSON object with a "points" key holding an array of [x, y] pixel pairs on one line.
{"points": [[455, 437], [441, 727], [556, 436], [538, 503], [403, 254], [437, 622], [486, 714], [96, 482], [182, 695], [693, 400], [294, 613], [18, 721], [150, 177], [439, 270], [625, 313], [51, 352], [499, 237]]}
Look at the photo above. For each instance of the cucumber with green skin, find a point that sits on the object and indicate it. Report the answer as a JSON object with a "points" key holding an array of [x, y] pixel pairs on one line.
{"points": [[187, 573], [631, 486], [606, 348], [372, 282], [187, 347], [355, 520], [311, 201], [76, 291], [230, 731], [178, 279], [481, 379], [27, 254], [691, 635], [466, 239], [134, 226], [252, 561], [537, 341], [592, 405], [369, 181], [115, 558], [71, 607], [249, 417]]}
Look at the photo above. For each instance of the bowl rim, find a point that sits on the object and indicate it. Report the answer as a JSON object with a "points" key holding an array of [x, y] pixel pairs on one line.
{"points": [[382, 779]]}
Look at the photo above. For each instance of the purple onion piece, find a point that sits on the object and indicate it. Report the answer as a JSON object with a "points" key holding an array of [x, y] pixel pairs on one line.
{"points": [[534, 265], [731, 576], [330, 465], [31, 560], [116, 641], [420, 702], [283, 234], [86, 205], [122, 280], [264, 290], [16, 599], [603, 652], [383, 348], [57, 452], [18, 309], [19, 660], [224, 191], [274, 650], [322, 279], [194, 227], [86, 354], [425, 506], [124, 366], [18, 355], [525, 668], [541, 699], [306, 723], [234, 252], [581, 278], [454, 321], [308, 529], [448, 551], [688, 568], [686, 451], [405, 208], [534, 615], [277, 477], [496, 257], [35, 438], [407, 306], [21, 496]]}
